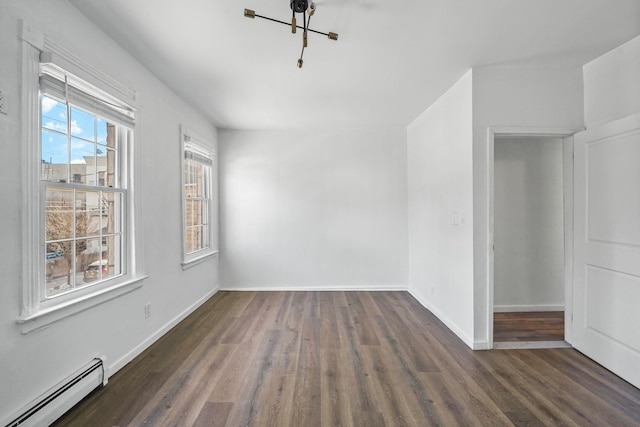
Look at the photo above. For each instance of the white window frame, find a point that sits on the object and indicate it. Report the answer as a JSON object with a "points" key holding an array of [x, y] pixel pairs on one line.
{"points": [[36, 310], [191, 141]]}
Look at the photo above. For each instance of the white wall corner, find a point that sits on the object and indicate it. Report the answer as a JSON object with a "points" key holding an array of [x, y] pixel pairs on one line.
{"points": [[448, 323]]}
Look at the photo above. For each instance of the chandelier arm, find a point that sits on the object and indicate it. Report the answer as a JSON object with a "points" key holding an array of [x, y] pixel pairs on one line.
{"points": [[300, 62], [304, 33], [293, 21], [288, 24]]}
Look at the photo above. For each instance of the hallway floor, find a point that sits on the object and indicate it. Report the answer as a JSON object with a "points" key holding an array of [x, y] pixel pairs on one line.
{"points": [[528, 326]]}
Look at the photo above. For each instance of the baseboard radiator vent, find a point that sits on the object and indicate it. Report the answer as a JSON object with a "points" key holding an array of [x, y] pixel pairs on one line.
{"points": [[50, 406]]}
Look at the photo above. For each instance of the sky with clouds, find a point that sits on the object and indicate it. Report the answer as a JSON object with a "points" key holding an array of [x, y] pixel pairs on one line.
{"points": [[86, 130]]}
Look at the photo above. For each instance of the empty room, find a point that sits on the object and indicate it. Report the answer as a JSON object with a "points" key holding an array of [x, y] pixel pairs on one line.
{"points": [[319, 213]]}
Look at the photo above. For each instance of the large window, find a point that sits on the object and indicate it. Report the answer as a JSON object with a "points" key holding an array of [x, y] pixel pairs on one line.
{"points": [[81, 231], [83, 139], [198, 169], [83, 197]]}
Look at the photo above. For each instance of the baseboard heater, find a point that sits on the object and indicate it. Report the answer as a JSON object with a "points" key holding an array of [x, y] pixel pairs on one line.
{"points": [[50, 406]]}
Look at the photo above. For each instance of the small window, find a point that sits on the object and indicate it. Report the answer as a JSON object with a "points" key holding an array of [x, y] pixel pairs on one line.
{"points": [[198, 170]]}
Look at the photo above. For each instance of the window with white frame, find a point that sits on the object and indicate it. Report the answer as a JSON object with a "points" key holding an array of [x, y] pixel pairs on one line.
{"points": [[81, 228], [83, 138], [198, 171]]}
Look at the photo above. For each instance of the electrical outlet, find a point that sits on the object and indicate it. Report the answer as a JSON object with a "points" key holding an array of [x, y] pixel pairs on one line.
{"points": [[3, 103], [147, 310]]}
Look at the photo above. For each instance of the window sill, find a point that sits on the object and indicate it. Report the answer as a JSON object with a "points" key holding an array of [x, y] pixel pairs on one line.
{"points": [[46, 317], [198, 260]]}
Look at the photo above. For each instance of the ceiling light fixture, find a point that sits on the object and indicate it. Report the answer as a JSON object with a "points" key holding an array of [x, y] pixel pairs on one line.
{"points": [[297, 6]]}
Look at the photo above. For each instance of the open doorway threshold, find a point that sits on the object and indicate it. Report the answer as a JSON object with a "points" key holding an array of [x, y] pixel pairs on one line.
{"points": [[529, 330]]}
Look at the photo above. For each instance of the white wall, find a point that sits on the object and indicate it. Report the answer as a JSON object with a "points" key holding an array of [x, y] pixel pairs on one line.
{"points": [[612, 85], [528, 224], [539, 99], [313, 209], [439, 152], [31, 363]]}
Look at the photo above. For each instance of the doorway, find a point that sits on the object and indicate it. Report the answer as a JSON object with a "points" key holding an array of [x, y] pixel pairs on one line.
{"points": [[530, 221]]}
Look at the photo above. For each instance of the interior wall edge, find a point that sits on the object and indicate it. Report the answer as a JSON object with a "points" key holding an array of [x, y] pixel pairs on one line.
{"points": [[448, 322]]}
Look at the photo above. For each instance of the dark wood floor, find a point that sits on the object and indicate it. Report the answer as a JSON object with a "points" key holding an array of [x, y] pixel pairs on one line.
{"points": [[347, 359], [528, 326]]}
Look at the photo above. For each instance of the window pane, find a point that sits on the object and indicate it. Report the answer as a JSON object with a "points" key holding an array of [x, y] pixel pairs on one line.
{"points": [[82, 161], [111, 255], [101, 132], [54, 114], [188, 175], [199, 179], [111, 204], [89, 261], [82, 124], [195, 240], [194, 179], [106, 167], [55, 157], [58, 264], [189, 243], [59, 216], [197, 237], [189, 215], [188, 239], [87, 213]]}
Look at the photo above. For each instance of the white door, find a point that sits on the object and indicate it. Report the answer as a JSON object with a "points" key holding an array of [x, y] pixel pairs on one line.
{"points": [[606, 322]]}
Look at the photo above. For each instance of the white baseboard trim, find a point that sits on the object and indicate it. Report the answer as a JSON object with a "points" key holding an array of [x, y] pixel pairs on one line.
{"points": [[128, 357], [481, 345], [451, 325], [525, 308], [292, 288]]}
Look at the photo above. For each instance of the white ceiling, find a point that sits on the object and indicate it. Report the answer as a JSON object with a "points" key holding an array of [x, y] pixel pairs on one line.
{"points": [[392, 60]]}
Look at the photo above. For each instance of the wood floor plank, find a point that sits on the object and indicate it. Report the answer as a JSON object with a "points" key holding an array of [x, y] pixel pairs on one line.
{"points": [[295, 314], [280, 359], [469, 394], [329, 335], [213, 414], [228, 385], [400, 360], [365, 408], [539, 400], [590, 393], [253, 396], [405, 339], [389, 388], [336, 406], [561, 408], [515, 411], [242, 323], [306, 406], [361, 320], [182, 396]]}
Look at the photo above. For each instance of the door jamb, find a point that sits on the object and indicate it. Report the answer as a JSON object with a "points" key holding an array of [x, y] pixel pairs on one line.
{"points": [[567, 165]]}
